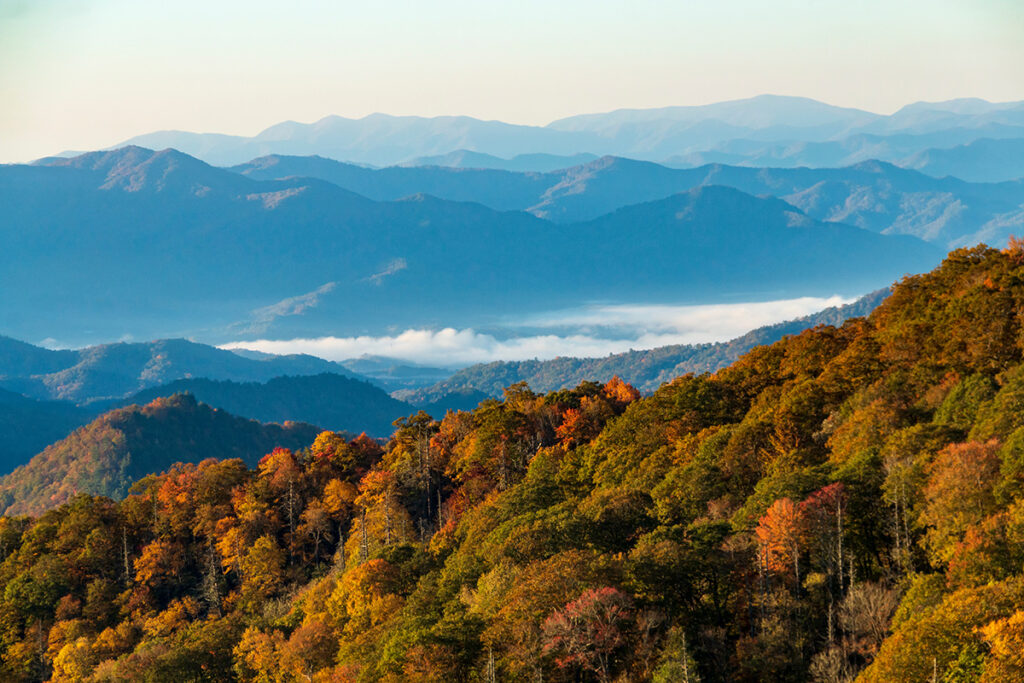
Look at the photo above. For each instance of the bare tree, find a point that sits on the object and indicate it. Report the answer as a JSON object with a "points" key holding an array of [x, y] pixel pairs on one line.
{"points": [[865, 614]]}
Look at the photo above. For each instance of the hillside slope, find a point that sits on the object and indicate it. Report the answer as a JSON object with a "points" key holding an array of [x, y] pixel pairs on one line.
{"points": [[28, 426], [116, 449]]}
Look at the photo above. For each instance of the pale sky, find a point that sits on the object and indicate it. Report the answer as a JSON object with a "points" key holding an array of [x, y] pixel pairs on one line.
{"points": [[81, 74]]}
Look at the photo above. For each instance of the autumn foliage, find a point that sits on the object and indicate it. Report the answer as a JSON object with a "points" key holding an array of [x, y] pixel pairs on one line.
{"points": [[589, 631], [846, 504]]}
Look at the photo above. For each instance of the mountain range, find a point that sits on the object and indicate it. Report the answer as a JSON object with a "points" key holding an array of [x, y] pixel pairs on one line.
{"points": [[873, 195], [115, 371], [46, 394], [981, 160], [160, 244], [524, 163], [768, 130]]}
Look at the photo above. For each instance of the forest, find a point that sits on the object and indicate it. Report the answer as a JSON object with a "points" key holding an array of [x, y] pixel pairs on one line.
{"points": [[844, 504]]}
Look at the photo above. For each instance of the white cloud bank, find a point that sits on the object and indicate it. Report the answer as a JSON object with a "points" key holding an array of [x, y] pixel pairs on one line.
{"points": [[702, 323], [590, 332]]}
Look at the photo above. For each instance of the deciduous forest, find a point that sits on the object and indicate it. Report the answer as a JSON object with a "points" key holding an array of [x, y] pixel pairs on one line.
{"points": [[844, 504]]}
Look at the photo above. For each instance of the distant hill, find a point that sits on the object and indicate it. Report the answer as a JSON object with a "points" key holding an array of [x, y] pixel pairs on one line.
{"points": [[873, 195], [646, 370], [894, 148], [536, 163], [715, 234], [762, 113], [377, 139], [329, 401], [109, 454], [223, 257], [981, 161], [20, 359], [393, 373], [439, 403], [498, 189], [28, 426], [112, 371]]}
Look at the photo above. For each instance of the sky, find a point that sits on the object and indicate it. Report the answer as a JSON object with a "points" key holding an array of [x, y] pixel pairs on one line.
{"points": [[87, 74]]}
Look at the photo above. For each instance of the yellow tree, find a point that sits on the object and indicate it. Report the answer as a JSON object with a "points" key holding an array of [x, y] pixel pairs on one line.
{"points": [[262, 572], [959, 493]]}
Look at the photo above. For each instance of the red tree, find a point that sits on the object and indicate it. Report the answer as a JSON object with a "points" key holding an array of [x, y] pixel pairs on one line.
{"points": [[588, 631]]}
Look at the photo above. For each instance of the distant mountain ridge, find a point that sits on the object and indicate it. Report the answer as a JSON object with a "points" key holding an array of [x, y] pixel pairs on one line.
{"points": [[762, 112], [523, 163], [341, 404], [981, 160], [497, 189], [873, 195], [761, 124], [113, 371]]}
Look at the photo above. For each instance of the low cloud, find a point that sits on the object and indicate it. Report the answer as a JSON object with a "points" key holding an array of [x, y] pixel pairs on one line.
{"points": [[627, 327], [698, 323], [296, 305], [261, 318], [391, 268]]}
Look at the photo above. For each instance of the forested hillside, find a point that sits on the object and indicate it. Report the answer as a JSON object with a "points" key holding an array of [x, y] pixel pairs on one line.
{"points": [[844, 503], [116, 449]]}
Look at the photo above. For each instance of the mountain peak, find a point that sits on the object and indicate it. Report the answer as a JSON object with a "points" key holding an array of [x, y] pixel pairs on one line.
{"points": [[133, 168], [876, 166], [104, 160]]}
